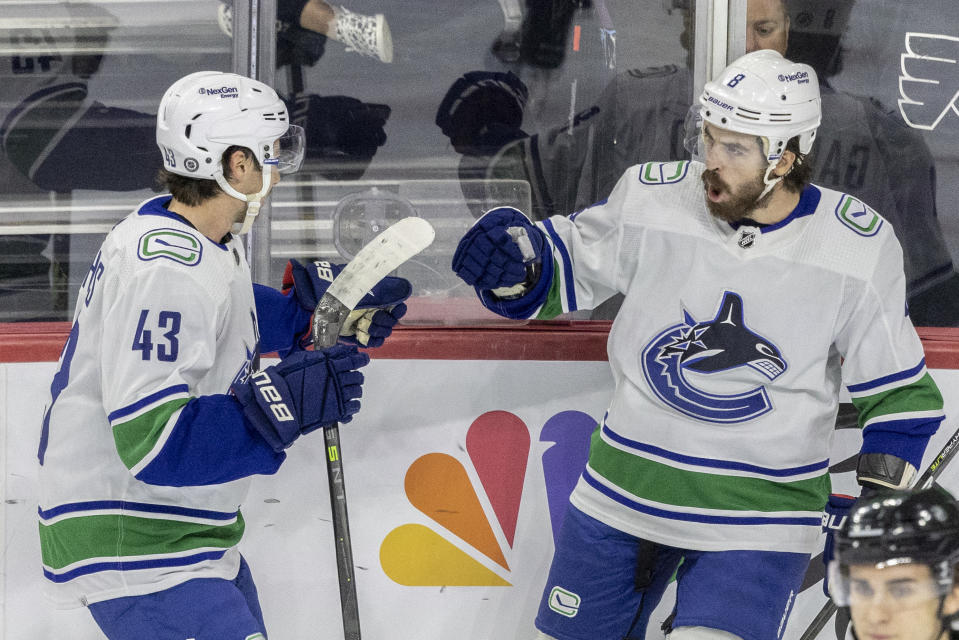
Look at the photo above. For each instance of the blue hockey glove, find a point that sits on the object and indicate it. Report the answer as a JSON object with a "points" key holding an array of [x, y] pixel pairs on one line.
{"points": [[834, 515], [374, 317], [303, 392], [488, 255], [371, 327]]}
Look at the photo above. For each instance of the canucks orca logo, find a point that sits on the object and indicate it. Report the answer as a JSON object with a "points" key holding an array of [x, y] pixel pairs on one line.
{"points": [[247, 369], [252, 362], [711, 347]]}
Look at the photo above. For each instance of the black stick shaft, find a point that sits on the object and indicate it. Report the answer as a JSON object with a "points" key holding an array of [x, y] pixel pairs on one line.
{"points": [[819, 621], [341, 534], [328, 317]]}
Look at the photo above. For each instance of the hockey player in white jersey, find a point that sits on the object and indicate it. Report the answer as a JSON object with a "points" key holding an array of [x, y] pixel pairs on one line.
{"points": [[750, 297], [145, 453]]}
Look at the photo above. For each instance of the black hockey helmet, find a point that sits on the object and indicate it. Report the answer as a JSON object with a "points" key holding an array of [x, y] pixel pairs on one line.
{"points": [[900, 527], [903, 526]]}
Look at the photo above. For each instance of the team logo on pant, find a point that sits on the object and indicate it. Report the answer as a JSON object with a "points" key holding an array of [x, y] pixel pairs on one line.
{"points": [[696, 351], [563, 602]]}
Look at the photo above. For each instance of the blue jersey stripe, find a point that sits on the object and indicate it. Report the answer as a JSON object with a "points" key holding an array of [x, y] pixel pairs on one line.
{"points": [[150, 399], [144, 507], [567, 265], [596, 204], [712, 462], [697, 517], [128, 565], [893, 377], [907, 426]]}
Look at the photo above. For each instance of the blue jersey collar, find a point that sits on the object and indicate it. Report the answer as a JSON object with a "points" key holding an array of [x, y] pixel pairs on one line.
{"points": [[808, 202], [158, 207]]}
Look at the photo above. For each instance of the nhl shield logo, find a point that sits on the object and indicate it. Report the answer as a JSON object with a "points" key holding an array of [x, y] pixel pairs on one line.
{"points": [[746, 238]]}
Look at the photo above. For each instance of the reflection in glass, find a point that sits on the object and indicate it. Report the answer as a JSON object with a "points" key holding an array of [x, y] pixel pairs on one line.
{"points": [[78, 86]]}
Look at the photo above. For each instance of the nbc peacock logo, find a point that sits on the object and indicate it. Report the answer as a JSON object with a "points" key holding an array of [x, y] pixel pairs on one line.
{"points": [[469, 540]]}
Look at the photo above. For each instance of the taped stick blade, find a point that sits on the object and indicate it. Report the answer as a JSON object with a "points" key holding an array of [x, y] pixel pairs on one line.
{"points": [[380, 257]]}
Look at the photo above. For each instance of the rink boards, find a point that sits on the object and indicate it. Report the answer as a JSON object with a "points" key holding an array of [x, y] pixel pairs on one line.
{"points": [[457, 470]]}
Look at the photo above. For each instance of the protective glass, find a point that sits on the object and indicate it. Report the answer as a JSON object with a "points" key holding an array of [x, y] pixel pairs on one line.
{"points": [[289, 150], [693, 134], [672, 5], [877, 585]]}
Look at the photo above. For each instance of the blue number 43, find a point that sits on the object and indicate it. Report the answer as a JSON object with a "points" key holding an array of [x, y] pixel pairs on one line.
{"points": [[168, 345]]}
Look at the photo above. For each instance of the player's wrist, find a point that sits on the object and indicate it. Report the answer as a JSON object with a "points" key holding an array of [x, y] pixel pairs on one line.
{"points": [[877, 471]]}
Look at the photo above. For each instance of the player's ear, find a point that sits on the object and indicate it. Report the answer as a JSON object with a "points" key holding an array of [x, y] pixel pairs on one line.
{"points": [[950, 606], [785, 164], [237, 164]]}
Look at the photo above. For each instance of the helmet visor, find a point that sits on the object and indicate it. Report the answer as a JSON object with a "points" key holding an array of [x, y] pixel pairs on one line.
{"points": [[897, 583], [288, 150]]}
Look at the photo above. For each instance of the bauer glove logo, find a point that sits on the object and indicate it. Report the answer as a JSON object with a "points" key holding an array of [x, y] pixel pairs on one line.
{"points": [[832, 521], [271, 394], [324, 270]]}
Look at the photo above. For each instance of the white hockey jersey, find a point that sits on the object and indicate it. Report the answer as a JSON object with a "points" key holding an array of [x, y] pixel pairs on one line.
{"points": [[130, 500], [728, 354], [861, 149]]}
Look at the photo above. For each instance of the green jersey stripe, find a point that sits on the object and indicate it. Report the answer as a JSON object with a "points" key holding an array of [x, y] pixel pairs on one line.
{"points": [[922, 395], [660, 482], [83, 538], [554, 301], [136, 438]]}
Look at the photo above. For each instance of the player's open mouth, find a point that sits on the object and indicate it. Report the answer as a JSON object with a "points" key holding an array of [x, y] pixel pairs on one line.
{"points": [[716, 189], [715, 194]]}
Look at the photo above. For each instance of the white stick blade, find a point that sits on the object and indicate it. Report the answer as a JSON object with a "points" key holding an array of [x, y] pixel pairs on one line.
{"points": [[380, 257]]}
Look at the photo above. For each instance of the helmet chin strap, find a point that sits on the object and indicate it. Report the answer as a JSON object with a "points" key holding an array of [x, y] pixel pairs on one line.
{"points": [[769, 183], [772, 165], [252, 200]]}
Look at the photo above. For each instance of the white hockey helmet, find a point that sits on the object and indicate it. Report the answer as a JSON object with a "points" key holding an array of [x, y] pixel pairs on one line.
{"points": [[202, 114], [766, 95]]}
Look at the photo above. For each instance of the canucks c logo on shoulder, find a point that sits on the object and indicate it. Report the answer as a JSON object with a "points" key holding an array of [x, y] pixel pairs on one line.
{"points": [[663, 172], [711, 348], [856, 215], [170, 244]]}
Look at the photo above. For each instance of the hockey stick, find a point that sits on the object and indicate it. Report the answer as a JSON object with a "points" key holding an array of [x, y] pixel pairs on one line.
{"points": [[926, 480], [372, 263]]}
